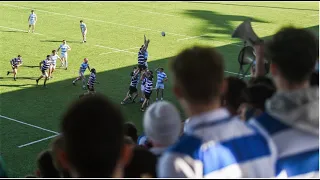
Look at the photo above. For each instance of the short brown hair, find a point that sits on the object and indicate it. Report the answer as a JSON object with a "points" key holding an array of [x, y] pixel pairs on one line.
{"points": [[295, 52], [199, 72]]}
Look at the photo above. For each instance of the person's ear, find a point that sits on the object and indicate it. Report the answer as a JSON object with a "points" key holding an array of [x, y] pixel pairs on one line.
{"points": [[127, 153], [273, 69], [177, 91], [63, 159]]}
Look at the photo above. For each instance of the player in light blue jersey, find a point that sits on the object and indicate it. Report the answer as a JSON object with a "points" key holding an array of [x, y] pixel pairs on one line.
{"points": [[32, 21], [83, 67], [161, 78], [64, 53], [84, 30]]}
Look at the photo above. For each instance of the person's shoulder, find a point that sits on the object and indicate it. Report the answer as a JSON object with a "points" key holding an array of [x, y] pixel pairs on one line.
{"points": [[187, 144]]}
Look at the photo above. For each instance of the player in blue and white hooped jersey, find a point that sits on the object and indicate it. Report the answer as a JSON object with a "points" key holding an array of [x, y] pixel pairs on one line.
{"points": [[91, 81], [32, 21], [143, 80], [83, 67], [133, 92], [44, 66], [53, 57], [64, 53], [161, 78], [84, 30], [148, 87], [15, 63]]}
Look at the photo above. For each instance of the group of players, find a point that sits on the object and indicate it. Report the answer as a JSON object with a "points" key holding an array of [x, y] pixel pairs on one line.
{"points": [[140, 74], [145, 76]]}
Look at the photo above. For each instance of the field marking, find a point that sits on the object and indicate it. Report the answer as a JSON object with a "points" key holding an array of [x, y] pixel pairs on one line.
{"points": [[229, 72], [314, 15], [11, 119], [191, 37], [18, 30], [115, 49], [119, 50], [124, 25], [34, 142], [158, 13]]}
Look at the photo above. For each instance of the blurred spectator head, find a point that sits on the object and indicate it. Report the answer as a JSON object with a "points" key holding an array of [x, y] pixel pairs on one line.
{"points": [[254, 100], [293, 53], [93, 133], [142, 164], [162, 124], [45, 165], [314, 80], [198, 74], [131, 130], [57, 146], [262, 80], [232, 98]]}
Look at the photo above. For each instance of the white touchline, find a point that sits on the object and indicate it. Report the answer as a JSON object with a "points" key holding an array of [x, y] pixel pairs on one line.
{"points": [[28, 124], [235, 73], [34, 142], [158, 13], [124, 25], [191, 37], [119, 50], [18, 30]]}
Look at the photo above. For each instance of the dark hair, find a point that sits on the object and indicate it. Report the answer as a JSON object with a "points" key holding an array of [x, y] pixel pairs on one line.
{"points": [[257, 95], [295, 52], [262, 80], [233, 93], [19, 55], [199, 72], [81, 21], [142, 162], [48, 56], [128, 140], [53, 51], [45, 165], [131, 130], [93, 131]]}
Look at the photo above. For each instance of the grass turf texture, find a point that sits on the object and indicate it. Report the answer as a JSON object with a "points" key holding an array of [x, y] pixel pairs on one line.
{"points": [[111, 26]]}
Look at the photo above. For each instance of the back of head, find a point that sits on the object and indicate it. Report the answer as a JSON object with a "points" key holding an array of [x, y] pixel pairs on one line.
{"points": [[131, 130], [257, 95], [262, 80], [232, 96], [93, 132], [198, 73], [45, 165], [142, 163], [162, 123], [294, 51]]}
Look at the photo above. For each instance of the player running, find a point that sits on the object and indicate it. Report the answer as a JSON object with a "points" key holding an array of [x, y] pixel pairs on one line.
{"points": [[83, 67], [32, 21], [53, 59], [84, 30], [133, 92], [64, 53], [148, 87], [44, 66], [161, 78], [90, 84], [15, 63]]}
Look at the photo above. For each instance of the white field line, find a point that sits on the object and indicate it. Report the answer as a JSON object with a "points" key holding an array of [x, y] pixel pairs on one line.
{"points": [[229, 72], [18, 30], [34, 142], [150, 12], [314, 15], [124, 25], [29, 124], [115, 49], [191, 37], [119, 50]]}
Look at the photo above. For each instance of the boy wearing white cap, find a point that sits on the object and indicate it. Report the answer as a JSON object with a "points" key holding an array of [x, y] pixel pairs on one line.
{"points": [[162, 126]]}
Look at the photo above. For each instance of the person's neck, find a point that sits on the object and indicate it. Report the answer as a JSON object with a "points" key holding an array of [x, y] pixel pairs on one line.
{"points": [[197, 109], [285, 86]]}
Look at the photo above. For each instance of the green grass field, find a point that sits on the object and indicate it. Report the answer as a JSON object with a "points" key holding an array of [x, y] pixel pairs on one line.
{"points": [[29, 113]]}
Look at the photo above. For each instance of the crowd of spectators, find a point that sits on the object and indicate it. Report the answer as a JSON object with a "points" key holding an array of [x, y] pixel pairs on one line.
{"points": [[261, 128]]}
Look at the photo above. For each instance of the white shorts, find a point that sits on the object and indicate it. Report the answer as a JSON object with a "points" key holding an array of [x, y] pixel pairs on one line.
{"points": [[146, 64], [65, 55], [44, 73], [142, 88], [160, 86], [84, 33], [32, 23], [53, 66]]}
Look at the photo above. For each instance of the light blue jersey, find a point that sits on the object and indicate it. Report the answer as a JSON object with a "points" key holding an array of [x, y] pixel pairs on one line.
{"points": [[83, 27]]}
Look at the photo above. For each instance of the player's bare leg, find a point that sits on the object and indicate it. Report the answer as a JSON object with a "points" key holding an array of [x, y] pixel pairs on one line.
{"points": [[50, 71], [66, 63], [33, 28], [62, 61], [145, 102], [45, 81], [39, 79], [29, 28], [161, 90], [157, 93]]}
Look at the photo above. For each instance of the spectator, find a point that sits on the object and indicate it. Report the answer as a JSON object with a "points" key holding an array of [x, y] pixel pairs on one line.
{"points": [[215, 144], [131, 130], [142, 164], [262, 80], [254, 100], [162, 126], [292, 114], [57, 146], [45, 165], [93, 132], [232, 96]]}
